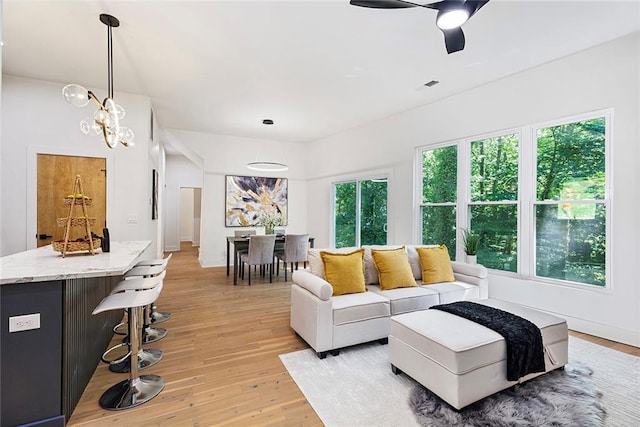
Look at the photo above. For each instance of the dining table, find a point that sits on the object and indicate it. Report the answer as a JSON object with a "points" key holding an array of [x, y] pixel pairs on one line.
{"points": [[241, 243]]}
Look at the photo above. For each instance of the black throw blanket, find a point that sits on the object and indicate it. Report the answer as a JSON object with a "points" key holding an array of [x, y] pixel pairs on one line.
{"points": [[525, 352]]}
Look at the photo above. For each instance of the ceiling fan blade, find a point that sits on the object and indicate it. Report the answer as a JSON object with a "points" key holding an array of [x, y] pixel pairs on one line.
{"points": [[453, 40], [474, 6], [383, 4], [444, 4]]}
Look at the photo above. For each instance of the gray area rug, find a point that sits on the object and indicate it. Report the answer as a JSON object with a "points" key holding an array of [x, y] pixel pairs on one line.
{"points": [[566, 398], [357, 388]]}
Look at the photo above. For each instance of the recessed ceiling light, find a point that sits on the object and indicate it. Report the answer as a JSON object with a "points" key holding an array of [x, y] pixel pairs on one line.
{"points": [[267, 122], [431, 83]]}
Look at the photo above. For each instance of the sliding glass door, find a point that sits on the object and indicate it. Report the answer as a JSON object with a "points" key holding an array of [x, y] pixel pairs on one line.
{"points": [[360, 212]]}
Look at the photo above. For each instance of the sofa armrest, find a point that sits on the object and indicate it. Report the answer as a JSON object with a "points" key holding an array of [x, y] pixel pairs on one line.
{"points": [[314, 284], [474, 274]]}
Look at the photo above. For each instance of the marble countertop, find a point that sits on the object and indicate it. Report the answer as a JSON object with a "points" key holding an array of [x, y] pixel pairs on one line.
{"points": [[44, 264]]}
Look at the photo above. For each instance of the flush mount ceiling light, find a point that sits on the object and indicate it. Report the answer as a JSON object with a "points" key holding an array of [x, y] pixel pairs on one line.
{"points": [[106, 120], [267, 166], [451, 15]]}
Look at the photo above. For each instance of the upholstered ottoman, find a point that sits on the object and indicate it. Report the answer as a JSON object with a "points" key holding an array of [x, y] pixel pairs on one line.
{"points": [[462, 361]]}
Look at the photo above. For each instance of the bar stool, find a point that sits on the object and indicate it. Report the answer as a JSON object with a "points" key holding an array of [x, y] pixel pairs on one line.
{"points": [[146, 356], [155, 315], [149, 333], [137, 389]]}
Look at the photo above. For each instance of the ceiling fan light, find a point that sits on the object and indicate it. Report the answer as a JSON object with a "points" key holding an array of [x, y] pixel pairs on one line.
{"points": [[452, 18]]}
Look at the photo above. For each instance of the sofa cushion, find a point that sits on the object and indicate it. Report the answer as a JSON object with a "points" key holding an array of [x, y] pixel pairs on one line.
{"points": [[370, 271], [316, 266], [393, 268], [414, 259], [345, 272], [454, 291], [405, 300], [358, 307], [436, 265]]}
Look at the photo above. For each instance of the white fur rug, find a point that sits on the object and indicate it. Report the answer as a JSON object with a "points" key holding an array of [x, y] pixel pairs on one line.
{"points": [[357, 388]]}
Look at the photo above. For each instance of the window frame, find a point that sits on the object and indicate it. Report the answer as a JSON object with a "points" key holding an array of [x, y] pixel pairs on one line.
{"points": [[527, 198], [357, 179]]}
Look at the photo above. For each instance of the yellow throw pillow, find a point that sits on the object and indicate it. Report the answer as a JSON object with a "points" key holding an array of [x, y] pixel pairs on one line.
{"points": [[345, 272], [394, 270], [436, 265]]}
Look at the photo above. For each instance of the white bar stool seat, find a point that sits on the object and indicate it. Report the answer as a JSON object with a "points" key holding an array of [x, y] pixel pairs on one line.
{"points": [[158, 261], [146, 356], [151, 268], [149, 333]]}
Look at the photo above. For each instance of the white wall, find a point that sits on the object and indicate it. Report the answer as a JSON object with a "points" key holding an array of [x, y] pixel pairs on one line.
{"points": [[601, 77], [186, 214], [36, 119], [180, 172], [227, 155]]}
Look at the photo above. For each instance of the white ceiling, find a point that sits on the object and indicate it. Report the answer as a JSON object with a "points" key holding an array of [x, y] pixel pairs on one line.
{"points": [[315, 67]]}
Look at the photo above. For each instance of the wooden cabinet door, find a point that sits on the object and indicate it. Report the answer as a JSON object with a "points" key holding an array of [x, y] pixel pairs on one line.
{"points": [[56, 175]]}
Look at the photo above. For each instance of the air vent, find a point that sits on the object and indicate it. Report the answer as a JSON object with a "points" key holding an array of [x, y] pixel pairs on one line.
{"points": [[431, 83]]}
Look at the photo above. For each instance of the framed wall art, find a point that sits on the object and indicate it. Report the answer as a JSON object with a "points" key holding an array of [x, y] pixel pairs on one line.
{"points": [[250, 197], [154, 194]]}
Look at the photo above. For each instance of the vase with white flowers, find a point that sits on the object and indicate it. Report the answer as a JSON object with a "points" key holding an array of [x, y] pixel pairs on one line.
{"points": [[270, 220]]}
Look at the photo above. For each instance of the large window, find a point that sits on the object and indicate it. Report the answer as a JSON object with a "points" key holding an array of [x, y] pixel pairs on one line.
{"points": [[493, 207], [537, 196], [360, 212], [439, 197], [571, 205]]}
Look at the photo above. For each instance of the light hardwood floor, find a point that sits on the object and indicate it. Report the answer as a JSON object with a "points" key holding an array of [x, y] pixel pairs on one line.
{"points": [[221, 364]]}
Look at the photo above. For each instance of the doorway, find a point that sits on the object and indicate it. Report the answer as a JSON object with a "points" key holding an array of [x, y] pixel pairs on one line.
{"points": [[190, 208], [55, 178]]}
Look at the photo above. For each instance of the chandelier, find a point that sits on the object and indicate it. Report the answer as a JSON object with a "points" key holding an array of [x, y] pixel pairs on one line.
{"points": [[106, 119]]}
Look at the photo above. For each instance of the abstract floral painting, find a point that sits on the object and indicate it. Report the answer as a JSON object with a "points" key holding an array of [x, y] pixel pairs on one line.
{"points": [[248, 197]]}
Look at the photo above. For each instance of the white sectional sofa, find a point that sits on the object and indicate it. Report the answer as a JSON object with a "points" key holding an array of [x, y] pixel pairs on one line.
{"points": [[328, 323]]}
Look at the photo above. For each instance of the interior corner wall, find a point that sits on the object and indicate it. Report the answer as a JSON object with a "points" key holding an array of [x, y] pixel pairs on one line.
{"points": [[601, 77], [180, 172], [227, 155], [35, 119], [186, 214]]}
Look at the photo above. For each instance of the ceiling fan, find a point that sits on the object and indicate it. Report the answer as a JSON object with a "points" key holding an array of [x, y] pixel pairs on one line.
{"points": [[451, 15]]}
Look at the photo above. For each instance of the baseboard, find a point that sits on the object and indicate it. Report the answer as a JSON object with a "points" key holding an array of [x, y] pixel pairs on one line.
{"points": [[213, 262], [171, 248], [624, 336]]}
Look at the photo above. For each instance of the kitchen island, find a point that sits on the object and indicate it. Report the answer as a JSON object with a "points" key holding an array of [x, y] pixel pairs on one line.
{"points": [[44, 370]]}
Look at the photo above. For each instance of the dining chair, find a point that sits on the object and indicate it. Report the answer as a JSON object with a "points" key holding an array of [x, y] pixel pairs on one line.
{"points": [[242, 233], [260, 253], [295, 250]]}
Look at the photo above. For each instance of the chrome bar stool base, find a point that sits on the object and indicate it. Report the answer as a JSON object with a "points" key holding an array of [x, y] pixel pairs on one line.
{"points": [[158, 317], [146, 357], [130, 393], [149, 335]]}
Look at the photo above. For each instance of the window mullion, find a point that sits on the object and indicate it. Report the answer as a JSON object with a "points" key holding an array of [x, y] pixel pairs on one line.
{"points": [[464, 192], [527, 195]]}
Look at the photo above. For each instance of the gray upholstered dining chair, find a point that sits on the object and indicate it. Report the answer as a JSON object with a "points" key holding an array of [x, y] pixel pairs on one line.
{"points": [[242, 233], [260, 253], [295, 250]]}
